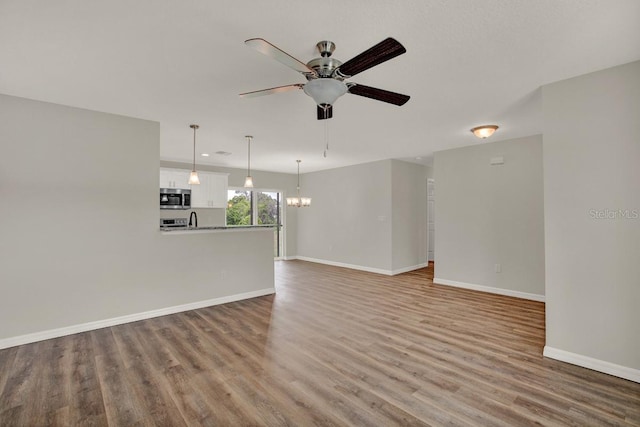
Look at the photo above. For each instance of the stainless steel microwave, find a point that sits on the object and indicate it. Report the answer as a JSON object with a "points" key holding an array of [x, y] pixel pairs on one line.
{"points": [[175, 198]]}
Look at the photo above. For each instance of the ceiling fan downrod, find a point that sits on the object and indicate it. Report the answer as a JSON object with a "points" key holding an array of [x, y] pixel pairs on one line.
{"points": [[326, 48]]}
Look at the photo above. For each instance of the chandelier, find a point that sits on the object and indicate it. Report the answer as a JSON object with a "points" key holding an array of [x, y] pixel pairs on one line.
{"points": [[299, 202]]}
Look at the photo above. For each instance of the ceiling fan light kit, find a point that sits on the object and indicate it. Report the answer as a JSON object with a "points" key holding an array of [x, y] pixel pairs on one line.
{"points": [[325, 91], [484, 131], [326, 75]]}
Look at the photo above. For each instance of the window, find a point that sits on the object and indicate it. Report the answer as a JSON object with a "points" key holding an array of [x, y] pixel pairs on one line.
{"points": [[268, 207], [255, 207], [239, 210]]}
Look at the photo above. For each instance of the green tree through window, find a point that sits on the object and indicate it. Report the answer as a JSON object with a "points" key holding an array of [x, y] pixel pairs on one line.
{"points": [[239, 209], [267, 209]]}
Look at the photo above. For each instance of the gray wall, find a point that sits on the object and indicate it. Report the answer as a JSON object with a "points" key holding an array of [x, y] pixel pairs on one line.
{"points": [[409, 214], [352, 220], [429, 171], [487, 215], [592, 170], [80, 240], [263, 181], [349, 220]]}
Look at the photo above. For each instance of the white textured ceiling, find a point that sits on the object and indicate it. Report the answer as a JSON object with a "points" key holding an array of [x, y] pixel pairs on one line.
{"points": [[468, 62]]}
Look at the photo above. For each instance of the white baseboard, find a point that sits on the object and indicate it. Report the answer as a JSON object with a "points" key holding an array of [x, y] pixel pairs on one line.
{"points": [[489, 289], [359, 267], [407, 269], [90, 326], [345, 265], [591, 363]]}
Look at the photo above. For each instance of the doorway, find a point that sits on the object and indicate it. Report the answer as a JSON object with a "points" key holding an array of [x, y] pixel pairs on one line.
{"points": [[431, 219]]}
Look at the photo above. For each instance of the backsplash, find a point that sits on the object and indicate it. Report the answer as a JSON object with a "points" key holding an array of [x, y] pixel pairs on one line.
{"points": [[206, 217]]}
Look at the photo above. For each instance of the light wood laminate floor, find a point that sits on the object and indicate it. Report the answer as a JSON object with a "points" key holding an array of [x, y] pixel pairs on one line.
{"points": [[333, 347]]}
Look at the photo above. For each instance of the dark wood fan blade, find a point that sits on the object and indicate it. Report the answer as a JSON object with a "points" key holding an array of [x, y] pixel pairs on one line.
{"points": [[379, 94], [325, 112], [271, 90], [272, 51], [383, 51]]}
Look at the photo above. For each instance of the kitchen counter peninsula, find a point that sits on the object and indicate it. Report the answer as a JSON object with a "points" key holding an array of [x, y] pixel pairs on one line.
{"points": [[209, 264]]}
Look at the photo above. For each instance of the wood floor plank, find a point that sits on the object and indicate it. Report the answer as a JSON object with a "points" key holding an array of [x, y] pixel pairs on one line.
{"points": [[54, 389], [17, 376], [146, 383], [120, 401], [86, 404], [7, 358], [333, 347], [21, 385]]}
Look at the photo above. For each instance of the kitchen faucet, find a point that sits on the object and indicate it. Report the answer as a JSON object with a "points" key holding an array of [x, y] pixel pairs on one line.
{"points": [[193, 215]]}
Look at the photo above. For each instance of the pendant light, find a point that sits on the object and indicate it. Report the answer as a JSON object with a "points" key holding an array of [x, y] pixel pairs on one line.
{"points": [[299, 202], [248, 181], [193, 178]]}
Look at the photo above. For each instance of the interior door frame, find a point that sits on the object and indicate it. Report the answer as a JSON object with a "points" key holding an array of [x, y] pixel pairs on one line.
{"points": [[430, 198]]}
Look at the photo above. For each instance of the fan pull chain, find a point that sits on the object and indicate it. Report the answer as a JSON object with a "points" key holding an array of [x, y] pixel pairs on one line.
{"points": [[326, 137]]}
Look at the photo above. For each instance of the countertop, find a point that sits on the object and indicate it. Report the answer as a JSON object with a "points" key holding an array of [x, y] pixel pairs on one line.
{"points": [[213, 229]]}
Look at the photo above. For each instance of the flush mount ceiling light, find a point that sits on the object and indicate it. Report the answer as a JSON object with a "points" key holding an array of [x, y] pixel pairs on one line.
{"points": [[299, 202], [193, 178], [484, 131], [248, 181]]}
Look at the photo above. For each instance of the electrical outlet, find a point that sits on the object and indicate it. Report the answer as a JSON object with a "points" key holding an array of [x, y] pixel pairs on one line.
{"points": [[498, 268]]}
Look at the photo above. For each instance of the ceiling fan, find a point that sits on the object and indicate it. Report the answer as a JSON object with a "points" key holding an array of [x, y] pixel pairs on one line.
{"points": [[326, 75]]}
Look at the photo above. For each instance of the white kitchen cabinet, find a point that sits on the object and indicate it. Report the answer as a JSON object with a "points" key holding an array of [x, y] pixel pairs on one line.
{"points": [[174, 178], [212, 191]]}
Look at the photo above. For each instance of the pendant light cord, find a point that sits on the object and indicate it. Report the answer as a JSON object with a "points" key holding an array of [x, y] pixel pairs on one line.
{"points": [[249, 156], [194, 147], [194, 127], [298, 188]]}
